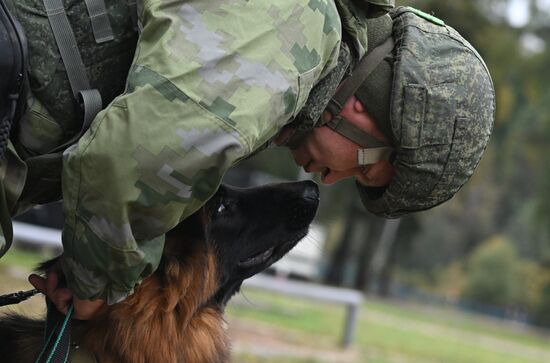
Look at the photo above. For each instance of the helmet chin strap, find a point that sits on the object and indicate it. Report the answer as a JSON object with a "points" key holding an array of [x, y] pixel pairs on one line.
{"points": [[373, 155], [373, 150]]}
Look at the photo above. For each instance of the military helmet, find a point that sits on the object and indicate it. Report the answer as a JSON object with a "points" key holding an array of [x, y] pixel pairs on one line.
{"points": [[441, 114], [431, 93]]}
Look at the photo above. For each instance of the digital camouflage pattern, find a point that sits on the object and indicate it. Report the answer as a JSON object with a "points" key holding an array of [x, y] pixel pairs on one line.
{"points": [[107, 65], [54, 117], [211, 82], [442, 114], [354, 14]]}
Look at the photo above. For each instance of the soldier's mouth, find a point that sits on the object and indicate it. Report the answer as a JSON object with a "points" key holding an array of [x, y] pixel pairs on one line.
{"points": [[324, 174]]}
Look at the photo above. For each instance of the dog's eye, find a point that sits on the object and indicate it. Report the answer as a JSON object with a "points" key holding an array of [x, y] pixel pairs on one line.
{"points": [[222, 208]]}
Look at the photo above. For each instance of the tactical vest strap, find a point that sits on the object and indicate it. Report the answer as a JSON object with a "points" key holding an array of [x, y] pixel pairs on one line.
{"points": [[90, 100], [100, 21], [68, 49]]}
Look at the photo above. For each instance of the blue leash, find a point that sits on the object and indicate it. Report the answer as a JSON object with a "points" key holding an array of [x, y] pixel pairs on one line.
{"points": [[58, 326]]}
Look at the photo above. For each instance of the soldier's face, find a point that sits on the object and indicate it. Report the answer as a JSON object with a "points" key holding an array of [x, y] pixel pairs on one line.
{"points": [[334, 156]]}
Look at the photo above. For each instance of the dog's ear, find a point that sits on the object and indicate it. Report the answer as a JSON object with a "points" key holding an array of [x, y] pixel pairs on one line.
{"points": [[190, 233]]}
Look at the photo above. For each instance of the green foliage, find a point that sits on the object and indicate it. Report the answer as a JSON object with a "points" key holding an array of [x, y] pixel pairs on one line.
{"points": [[541, 314], [509, 193], [536, 290], [451, 281], [533, 280], [493, 277]]}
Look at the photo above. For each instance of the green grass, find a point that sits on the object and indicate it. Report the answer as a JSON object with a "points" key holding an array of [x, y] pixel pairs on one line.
{"points": [[15, 266], [247, 358], [294, 314], [464, 322], [387, 332], [392, 332], [23, 259]]}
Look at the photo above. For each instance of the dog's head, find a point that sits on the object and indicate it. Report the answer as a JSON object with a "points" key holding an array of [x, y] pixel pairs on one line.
{"points": [[246, 230], [238, 233]]}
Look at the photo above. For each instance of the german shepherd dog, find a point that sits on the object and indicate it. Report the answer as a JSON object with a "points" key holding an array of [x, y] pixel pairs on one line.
{"points": [[176, 314]]}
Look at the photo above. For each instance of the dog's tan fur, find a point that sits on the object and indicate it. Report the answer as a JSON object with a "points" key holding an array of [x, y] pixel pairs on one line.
{"points": [[176, 314], [166, 317]]}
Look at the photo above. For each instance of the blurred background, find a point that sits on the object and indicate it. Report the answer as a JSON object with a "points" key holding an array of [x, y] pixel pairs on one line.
{"points": [[466, 282]]}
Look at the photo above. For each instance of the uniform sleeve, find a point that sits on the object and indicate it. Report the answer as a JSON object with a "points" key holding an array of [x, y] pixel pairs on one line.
{"points": [[210, 83]]}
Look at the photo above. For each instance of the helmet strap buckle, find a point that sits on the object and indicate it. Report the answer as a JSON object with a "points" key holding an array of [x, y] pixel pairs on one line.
{"points": [[373, 155]]}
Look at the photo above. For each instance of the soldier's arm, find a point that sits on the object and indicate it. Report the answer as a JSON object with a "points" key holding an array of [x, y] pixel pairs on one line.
{"points": [[148, 162], [197, 101]]}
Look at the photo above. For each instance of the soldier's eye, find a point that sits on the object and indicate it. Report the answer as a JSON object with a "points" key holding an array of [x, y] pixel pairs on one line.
{"points": [[222, 208]]}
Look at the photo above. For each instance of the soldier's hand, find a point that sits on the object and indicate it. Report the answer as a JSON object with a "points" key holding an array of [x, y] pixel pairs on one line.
{"points": [[86, 309], [62, 297]]}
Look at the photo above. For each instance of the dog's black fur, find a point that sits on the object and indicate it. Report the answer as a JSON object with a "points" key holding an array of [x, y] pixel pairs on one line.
{"points": [[237, 234]]}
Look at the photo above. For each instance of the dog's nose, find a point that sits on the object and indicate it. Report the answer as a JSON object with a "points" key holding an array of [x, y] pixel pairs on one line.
{"points": [[311, 191], [302, 210]]}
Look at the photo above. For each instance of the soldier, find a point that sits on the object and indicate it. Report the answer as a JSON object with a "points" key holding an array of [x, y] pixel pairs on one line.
{"points": [[210, 83]]}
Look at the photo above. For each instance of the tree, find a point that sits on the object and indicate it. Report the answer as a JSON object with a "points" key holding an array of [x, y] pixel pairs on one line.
{"points": [[493, 274], [541, 315]]}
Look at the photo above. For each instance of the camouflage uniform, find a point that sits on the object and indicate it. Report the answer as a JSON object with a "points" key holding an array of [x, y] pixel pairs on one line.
{"points": [[210, 83]]}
